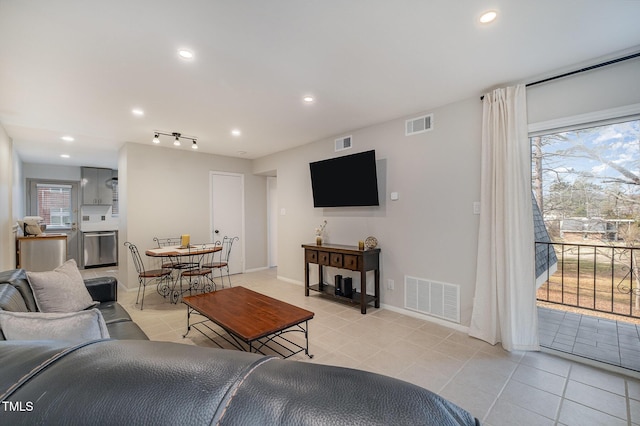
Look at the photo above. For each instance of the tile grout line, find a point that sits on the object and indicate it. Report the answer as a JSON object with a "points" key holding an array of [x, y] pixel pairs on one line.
{"points": [[563, 396], [628, 403], [506, 383]]}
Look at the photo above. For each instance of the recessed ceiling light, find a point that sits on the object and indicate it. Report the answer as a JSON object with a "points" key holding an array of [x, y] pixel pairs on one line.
{"points": [[487, 17], [235, 132], [65, 155], [185, 54], [308, 99], [67, 138], [138, 112]]}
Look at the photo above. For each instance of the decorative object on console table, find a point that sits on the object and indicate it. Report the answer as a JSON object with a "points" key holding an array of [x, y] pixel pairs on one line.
{"points": [[319, 231], [344, 257], [371, 243], [360, 245]]}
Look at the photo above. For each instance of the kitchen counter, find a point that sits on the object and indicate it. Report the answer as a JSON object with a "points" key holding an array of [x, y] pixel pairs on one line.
{"points": [[44, 235], [43, 252]]}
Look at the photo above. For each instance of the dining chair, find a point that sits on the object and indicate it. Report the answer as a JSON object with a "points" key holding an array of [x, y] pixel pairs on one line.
{"points": [[200, 277], [223, 258], [143, 275]]}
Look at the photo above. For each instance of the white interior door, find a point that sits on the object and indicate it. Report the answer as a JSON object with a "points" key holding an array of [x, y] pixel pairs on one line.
{"points": [[227, 214]]}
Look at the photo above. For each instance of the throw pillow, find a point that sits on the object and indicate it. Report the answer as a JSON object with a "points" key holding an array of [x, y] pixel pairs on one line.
{"points": [[60, 290], [74, 326]]}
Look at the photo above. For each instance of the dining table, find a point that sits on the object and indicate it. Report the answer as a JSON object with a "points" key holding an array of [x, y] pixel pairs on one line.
{"points": [[176, 254]]}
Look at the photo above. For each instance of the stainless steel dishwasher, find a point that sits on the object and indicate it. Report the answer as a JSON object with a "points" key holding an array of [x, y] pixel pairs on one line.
{"points": [[99, 248]]}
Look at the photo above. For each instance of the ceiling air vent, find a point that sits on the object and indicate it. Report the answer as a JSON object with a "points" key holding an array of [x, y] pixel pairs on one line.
{"points": [[419, 125], [343, 143]]}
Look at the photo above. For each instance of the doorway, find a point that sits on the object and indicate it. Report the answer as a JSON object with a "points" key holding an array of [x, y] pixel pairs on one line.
{"points": [[227, 214], [57, 202], [272, 220]]}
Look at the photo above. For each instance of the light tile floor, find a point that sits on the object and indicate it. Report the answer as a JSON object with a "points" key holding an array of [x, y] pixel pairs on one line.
{"points": [[498, 387]]}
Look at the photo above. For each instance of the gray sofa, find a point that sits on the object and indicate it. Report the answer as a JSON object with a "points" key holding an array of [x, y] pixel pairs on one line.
{"points": [[16, 296], [130, 380]]}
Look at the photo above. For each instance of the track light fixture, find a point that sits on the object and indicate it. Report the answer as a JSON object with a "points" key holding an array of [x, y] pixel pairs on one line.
{"points": [[176, 138]]}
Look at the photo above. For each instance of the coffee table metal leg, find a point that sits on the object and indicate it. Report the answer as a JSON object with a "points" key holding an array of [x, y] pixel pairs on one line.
{"points": [[306, 339], [188, 323]]}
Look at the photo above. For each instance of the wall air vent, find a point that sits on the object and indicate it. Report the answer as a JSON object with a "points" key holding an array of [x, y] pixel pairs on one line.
{"points": [[433, 298], [418, 125], [343, 143]]}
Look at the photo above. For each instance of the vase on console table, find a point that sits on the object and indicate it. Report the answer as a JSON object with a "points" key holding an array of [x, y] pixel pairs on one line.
{"points": [[319, 231]]}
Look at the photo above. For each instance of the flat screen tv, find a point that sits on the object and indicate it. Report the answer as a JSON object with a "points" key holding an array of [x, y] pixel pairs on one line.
{"points": [[347, 181]]}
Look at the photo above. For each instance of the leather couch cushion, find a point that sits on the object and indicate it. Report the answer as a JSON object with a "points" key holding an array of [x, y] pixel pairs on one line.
{"points": [[11, 299], [102, 289], [126, 330], [113, 312], [74, 326], [18, 279], [60, 290]]}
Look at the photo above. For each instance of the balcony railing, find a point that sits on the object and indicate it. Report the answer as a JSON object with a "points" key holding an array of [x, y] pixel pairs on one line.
{"points": [[601, 278]]}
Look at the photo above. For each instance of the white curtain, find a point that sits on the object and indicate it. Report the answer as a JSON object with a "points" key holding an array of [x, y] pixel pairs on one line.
{"points": [[504, 308]]}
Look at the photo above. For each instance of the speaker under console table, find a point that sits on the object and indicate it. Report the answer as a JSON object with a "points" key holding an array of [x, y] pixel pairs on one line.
{"points": [[343, 257]]}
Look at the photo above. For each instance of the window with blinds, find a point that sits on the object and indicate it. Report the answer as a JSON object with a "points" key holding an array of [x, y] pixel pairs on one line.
{"points": [[54, 205]]}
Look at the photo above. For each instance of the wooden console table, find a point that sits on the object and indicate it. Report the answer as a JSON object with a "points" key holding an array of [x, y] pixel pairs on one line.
{"points": [[343, 257]]}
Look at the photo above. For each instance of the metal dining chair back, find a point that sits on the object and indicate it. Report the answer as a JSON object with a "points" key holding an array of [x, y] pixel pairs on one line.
{"points": [[223, 258], [144, 275], [169, 241]]}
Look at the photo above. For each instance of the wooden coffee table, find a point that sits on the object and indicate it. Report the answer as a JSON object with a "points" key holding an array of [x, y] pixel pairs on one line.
{"points": [[252, 321]]}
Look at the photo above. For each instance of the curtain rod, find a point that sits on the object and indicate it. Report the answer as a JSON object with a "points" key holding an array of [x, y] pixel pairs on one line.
{"points": [[589, 68]]}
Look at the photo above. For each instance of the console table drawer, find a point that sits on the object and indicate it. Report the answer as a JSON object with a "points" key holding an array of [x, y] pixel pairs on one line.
{"points": [[351, 262], [336, 260], [323, 258], [311, 256]]}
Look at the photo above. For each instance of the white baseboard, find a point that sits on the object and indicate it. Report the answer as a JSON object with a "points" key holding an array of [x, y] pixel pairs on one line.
{"points": [[262, 268], [448, 324], [289, 280]]}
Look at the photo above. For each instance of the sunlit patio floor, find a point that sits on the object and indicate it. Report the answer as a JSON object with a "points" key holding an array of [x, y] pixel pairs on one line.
{"points": [[616, 343]]}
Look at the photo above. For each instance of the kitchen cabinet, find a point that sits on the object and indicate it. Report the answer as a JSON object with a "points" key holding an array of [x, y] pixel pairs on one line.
{"points": [[96, 186], [44, 252]]}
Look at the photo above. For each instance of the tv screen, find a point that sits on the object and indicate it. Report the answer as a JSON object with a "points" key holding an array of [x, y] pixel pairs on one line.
{"points": [[347, 181]]}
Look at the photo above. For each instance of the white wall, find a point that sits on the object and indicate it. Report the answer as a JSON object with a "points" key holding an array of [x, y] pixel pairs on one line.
{"points": [[604, 88], [165, 192], [7, 220], [430, 232]]}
